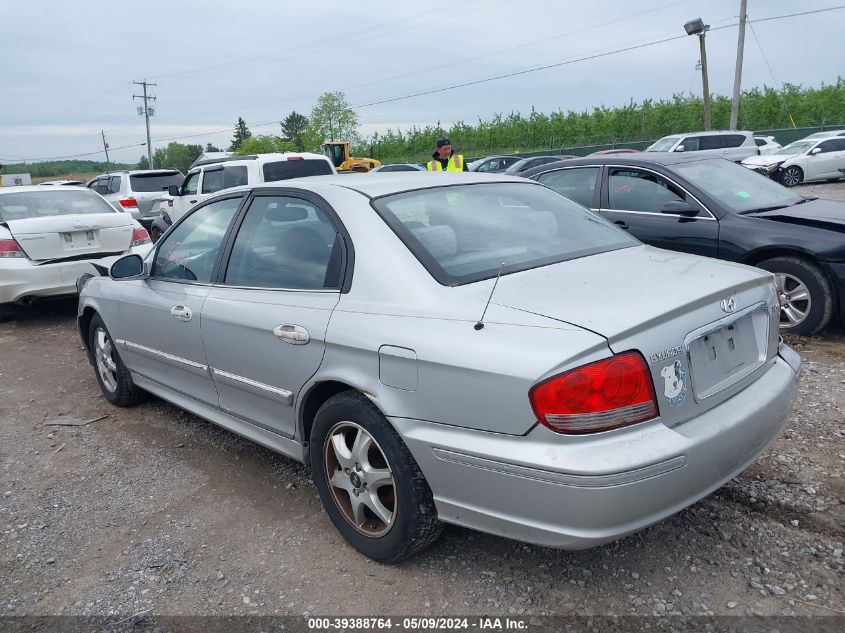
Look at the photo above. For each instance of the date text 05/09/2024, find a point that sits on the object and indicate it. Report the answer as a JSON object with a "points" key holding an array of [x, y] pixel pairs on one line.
{"points": [[425, 623]]}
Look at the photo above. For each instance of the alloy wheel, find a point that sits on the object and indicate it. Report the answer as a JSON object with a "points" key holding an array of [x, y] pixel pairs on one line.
{"points": [[360, 479], [103, 355], [791, 177], [795, 300]]}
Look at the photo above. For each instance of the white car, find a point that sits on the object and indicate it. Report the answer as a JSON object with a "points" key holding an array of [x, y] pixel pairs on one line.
{"points": [[734, 145], [49, 236], [803, 161], [767, 144], [208, 176]]}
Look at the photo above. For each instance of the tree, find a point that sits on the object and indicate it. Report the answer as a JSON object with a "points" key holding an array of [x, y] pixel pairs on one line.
{"points": [[331, 119], [143, 163], [264, 144], [293, 128], [241, 134], [176, 156], [210, 148]]}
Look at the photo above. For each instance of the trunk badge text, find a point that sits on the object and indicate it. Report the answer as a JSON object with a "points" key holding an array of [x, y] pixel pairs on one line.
{"points": [[728, 305], [666, 353]]}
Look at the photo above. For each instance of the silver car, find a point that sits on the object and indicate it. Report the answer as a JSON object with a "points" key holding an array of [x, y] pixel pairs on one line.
{"points": [[138, 193], [458, 348]]}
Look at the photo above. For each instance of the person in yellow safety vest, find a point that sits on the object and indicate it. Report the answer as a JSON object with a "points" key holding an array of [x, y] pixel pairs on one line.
{"points": [[444, 159]]}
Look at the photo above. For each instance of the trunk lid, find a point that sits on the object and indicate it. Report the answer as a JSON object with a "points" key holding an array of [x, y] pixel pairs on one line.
{"points": [[71, 236], [706, 328]]}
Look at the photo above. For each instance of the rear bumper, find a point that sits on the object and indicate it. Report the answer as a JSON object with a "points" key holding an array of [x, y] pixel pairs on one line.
{"points": [[20, 279], [579, 492]]}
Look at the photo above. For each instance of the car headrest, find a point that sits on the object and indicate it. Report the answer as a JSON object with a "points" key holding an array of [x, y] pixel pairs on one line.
{"points": [[277, 212]]}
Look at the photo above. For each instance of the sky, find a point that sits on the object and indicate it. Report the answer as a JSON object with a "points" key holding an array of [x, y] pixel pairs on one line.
{"points": [[68, 67]]}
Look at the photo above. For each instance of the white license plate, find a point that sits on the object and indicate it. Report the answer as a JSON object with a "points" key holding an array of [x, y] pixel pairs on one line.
{"points": [[723, 356], [79, 239]]}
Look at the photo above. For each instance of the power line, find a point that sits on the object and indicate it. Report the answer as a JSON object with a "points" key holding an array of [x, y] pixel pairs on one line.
{"points": [[762, 52]]}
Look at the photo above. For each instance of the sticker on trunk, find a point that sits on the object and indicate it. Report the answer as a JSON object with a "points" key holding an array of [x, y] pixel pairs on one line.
{"points": [[674, 383]]}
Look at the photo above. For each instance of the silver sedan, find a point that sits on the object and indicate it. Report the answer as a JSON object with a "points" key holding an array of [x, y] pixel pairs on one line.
{"points": [[455, 348]]}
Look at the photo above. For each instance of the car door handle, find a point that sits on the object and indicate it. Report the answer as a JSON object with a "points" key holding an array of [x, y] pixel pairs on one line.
{"points": [[293, 334], [622, 224], [181, 313]]}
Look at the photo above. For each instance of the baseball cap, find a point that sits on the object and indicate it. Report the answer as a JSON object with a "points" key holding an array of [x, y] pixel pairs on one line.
{"points": [[443, 141]]}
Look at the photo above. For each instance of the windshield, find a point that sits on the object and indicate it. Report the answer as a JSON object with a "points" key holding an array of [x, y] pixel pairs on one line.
{"points": [[155, 182], [794, 148], [464, 233], [296, 168], [663, 145], [40, 204], [737, 188]]}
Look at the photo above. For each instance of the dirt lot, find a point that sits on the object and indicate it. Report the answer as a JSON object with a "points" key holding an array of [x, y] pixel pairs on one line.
{"points": [[153, 509]]}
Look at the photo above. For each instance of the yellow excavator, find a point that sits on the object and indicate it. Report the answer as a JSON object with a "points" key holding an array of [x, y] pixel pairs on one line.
{"points": [[340, 155]]}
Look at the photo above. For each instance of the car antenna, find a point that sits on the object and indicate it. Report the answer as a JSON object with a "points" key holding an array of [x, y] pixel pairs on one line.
{"points": [[480, 324]]}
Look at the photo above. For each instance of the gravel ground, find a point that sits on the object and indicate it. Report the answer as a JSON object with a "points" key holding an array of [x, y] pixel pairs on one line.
{"points": [[151, 508]]}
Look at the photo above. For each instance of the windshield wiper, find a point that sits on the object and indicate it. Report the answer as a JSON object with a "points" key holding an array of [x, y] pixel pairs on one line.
{"points": [[779, 206]]}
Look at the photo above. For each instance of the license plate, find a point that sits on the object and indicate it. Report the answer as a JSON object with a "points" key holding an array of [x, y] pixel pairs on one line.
{"points": [[727, 354], [79, 239]]}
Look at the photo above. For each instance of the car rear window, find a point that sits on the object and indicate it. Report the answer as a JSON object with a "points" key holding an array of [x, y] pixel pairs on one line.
{"points": [[155, 182], [465, 233], [40, 204], [285, 169]]}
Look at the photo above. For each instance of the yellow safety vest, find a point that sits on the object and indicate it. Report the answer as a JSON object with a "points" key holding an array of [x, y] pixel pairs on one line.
{"points": [[456, 163]]}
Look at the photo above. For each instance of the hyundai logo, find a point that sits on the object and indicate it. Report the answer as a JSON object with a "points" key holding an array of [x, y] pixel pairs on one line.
{"points": [[728, 305]]}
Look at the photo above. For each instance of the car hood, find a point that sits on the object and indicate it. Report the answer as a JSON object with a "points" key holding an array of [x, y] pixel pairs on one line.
{"points": [[623, 293], [765, 160], [826, 214]]}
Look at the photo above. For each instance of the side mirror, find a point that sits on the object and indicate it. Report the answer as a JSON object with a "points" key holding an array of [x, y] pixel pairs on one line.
{"points": [[127, 267], [815, 150], [173, 190], [677, 207], [679, 148]]}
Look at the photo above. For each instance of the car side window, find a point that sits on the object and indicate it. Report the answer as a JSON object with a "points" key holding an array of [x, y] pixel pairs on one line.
{"points": [[577, 184], [760, 142], [285, 242], [212, 180], [733, 140], [634, 190], [692, 144], [839, 145], [114, 184], [189, 251], [828, 146], [189, 187], [714, 141]]}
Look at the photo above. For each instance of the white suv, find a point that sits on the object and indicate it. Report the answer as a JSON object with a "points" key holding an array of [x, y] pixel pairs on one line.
{"points": [[209, 176], [732, 145]]}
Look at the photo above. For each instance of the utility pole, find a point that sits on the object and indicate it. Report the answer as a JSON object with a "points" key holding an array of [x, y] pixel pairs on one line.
{"points": [[147, 111], [105, 148], [740, 47], [698, 27]]}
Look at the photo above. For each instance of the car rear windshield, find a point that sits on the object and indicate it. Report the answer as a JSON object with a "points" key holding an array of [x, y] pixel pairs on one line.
{"points": [[155, 182], [41, 204], [465, 233], [663, 145], [285, 169], [738, 188]]}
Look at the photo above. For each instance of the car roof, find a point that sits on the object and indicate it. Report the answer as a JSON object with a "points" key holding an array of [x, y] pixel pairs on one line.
{"points": [[260, 158], [381, 184], [644, 159], [31, 188], [709, 133]]}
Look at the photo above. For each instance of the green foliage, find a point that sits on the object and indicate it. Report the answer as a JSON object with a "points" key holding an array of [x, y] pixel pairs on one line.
{"points": [[760, 109], [293, 127], [241, 134], [143, 163], [63, 168], [264, 144], [210, 148], [176, 156], [331, 119]]}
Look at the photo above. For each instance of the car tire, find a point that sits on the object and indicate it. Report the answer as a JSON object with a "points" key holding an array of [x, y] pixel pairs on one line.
{"points": [[5, 312], [354, 447], [796, 277], [791, 176], [112, 375], [155, 234]]}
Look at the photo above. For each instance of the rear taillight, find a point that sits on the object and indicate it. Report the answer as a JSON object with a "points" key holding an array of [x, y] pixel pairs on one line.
{"points": [[10, 248], [295, 158], [604, 395], [140, 236], [127, 203]]}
